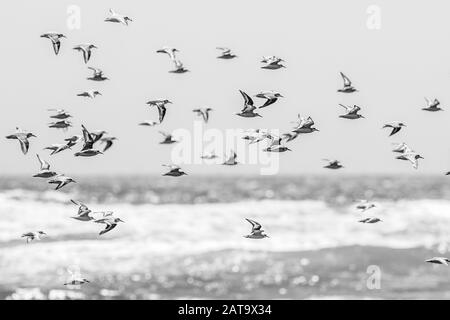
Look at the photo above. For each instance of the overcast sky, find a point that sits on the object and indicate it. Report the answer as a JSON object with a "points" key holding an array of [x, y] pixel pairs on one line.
{"points": [[394, 68]]}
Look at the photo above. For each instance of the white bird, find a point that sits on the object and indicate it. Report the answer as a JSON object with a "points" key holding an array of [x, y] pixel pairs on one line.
{"points": [[432, 105], [30, 236], [249, 108], [55, 38], [203, 112], [304, 125], [275, 146], [226, 53], [83, 212], [76, 279], [110, 223], [117, 18], [270, 96], [175, 171], [402, 148], [231, 161], [348, 88], [87, 150], [149, 123], [61, 180], [23, 137], [412, 157], [86, 49], [179, 68], [89, 94], [168, 138], [439, 260], [395, 125], [365, 205], [61, 114], [62, 124], [257, 231], [97, 75], [170, 51], [256, 135], [370, 220], [352, 112], [58, 147], [272, 63], [44, 171], [333, 164], [161, 105]]}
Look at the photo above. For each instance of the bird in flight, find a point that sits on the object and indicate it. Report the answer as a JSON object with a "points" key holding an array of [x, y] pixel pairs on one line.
{"points": [[118, 18], [257, 231], [35, 235], [270, 96], [161, 105], [249, 108], [23, 137], [432, 106], [395, 125], [352, 112], [174, 171], [55, 38], [226, 53], [44, 171], [348, 88], [86, 49], [203, 112]]}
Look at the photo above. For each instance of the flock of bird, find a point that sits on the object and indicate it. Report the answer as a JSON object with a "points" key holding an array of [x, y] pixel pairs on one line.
{"points": [[89, 139]]}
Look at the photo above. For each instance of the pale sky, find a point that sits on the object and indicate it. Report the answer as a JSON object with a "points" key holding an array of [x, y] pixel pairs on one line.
{"points": [[394, 68]]}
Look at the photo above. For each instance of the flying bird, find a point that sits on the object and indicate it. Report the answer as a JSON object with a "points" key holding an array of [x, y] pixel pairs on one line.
{"points": [[226, 53], [89, 94], [249, 108], [203, 112], [161, 105], [270, 96], [149, 123], [365, 205], [61, 114], [76, 279], [352, 112], [86, 49], [97, 75], [439, 260], [396, 127], [289, 136], [110, 223], [304, 125], [275, 146], [231, 161], [23, 137], [432, 106], [272, 63], [36, 235], [168, 138], [44, 171], [174, 171], [209, 156], [117, 18], [333, 164], [412, 157], [257, 231], [370, 220], [87, 150], [348, 88], [256, 135], [83, 212], [402, 148], [61, 180], [62, 124], [55, 38]]}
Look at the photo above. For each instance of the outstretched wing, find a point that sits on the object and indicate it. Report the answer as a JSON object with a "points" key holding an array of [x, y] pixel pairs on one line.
{"points": [[255, 225], [88, 140], [44, 164], [247, 99], [347, 82]]}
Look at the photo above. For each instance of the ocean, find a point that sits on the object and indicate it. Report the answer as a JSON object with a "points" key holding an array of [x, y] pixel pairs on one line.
{"points": [[183, 238]]}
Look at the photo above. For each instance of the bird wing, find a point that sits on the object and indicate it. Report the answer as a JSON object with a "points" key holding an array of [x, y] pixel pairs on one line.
{"points": [[108, 145], [255, 225], [24, 144], [247, 99], [88, 140], [56, 44], [268, 102], [347, 82], [44, 164], [161, 111], [109, 227]]}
